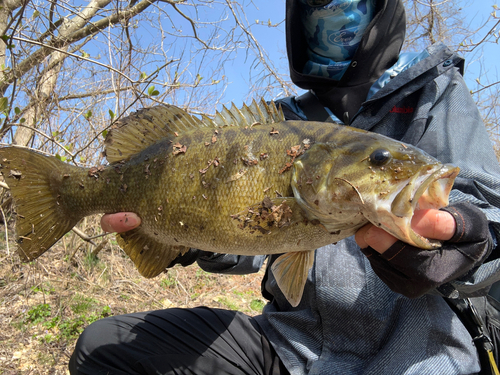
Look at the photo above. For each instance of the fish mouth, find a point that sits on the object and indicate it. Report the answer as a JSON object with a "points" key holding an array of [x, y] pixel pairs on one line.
{"points": [[423, 191]]}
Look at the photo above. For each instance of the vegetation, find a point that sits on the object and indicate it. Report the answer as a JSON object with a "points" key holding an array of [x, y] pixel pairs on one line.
{"points": [[46, 304]]}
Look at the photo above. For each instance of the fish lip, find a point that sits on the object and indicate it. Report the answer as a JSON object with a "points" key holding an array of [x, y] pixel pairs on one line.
{"points": [[433, 192], [444, 178]]}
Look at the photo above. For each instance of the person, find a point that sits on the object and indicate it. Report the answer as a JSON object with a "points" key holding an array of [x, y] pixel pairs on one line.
{"points": [[372, 304]]}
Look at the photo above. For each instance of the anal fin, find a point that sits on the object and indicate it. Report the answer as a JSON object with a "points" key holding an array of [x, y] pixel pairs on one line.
{"points": [[290, 271], [150, 256]]}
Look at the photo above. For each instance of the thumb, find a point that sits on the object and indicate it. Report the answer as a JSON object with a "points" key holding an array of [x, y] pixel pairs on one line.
{"points": [[120, 222], [435, 224]]}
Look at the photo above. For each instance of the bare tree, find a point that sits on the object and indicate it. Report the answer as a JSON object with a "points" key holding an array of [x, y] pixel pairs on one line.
{"points": [[69, 70], [431, 21], [36, 64]]}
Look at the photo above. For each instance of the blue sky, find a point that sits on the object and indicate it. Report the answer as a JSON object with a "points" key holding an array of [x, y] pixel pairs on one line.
{"points": [[273, 40], [476, 12]]}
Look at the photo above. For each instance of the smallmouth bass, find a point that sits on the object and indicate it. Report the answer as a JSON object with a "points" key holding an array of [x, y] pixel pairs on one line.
{"points": [[247, 182]]}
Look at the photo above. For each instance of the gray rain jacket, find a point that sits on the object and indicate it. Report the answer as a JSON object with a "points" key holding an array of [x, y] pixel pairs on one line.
{"points": [[349, 321]]}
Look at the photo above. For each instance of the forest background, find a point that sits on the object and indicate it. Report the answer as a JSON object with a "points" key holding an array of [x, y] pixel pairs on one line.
{"points": [[69, 69]]}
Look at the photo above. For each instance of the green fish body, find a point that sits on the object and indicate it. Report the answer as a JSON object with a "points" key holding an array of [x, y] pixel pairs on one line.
{"points": [[247, 182]]}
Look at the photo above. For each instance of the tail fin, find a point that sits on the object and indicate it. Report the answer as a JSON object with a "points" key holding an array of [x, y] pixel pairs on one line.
{"points": [[41, 222]]}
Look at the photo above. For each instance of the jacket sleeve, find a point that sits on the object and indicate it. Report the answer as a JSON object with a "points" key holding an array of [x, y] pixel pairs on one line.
{"points": [[455, 134], [220, 263], [230, 264]]}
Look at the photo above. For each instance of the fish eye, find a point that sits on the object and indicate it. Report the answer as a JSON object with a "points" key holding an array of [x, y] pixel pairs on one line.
{"points": [[380, 157]]}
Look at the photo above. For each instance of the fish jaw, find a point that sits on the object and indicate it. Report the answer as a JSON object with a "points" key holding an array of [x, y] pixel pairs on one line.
{"points": [[339, 212], [427, 190]]}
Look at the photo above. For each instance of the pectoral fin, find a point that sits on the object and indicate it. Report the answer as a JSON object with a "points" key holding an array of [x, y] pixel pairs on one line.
{"points": [[290, 271], [149, 256]]}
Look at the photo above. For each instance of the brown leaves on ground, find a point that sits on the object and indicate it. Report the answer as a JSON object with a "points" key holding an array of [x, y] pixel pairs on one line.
{"points": [[47, 302]]}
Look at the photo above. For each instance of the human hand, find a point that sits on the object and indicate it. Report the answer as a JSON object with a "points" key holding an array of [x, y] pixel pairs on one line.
{"points": [[411, 271], [124, 221], [429, 223], [120, 222]]}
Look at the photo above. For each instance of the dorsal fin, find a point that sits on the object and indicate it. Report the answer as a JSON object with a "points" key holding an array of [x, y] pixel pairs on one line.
{"points": [[145, 127], [260, 112]]}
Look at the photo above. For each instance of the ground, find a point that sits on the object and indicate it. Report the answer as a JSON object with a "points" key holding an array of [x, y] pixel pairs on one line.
{"points": [[45, 304]]}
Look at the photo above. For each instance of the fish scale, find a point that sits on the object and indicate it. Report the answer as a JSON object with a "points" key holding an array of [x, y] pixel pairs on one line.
{"points": [[246, 183]]}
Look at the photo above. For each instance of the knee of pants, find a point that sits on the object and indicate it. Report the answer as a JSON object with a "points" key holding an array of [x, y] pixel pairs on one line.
{"points": [[95, 343]]}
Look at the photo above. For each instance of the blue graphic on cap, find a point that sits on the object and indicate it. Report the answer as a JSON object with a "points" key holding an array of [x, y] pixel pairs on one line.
{"points": [[333, 32]]}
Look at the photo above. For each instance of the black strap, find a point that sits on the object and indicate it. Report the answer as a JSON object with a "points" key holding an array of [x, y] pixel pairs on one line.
{"points": [[471, 319], [312, 107]]}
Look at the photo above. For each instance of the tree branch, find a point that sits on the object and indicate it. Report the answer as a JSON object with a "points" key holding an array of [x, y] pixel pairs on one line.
{"points": [[74, 55], [485, 87], [58, 43]]}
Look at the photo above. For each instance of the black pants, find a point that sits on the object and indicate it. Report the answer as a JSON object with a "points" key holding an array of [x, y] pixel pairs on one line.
{"points": [[176, 341]]}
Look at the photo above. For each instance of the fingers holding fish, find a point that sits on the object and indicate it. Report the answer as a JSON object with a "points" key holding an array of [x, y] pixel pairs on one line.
{"points": [[429, 223], [436, 224], [374, 237]]}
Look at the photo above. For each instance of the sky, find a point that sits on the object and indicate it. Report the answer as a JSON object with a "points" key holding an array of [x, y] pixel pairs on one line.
{"points": [[476, 12], [273, 41]]}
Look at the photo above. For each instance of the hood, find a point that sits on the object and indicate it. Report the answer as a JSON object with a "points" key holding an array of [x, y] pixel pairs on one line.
{"points": [[378, 51]]}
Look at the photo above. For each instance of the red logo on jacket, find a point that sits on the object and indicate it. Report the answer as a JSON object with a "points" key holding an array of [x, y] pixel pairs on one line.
{"points": [[402, 109]]}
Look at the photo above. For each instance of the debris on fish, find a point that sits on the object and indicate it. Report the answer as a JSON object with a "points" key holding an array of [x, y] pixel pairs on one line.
{"points": [[246, 182]]}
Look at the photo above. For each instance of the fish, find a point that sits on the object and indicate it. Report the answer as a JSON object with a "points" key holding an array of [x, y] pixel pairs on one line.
{"points": [[245, 182]]}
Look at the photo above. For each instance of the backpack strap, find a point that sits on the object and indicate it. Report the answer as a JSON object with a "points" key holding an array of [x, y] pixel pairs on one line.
{"points": [[471, 319]]}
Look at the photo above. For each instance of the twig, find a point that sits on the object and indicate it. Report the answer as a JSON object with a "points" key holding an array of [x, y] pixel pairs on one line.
{"points": [[102, 273], [83, 236], [46, 136], [193, 26], [74, 252], [129, 106], [354, 187], [485, 87], [6, 231], [99, 248], [91, 29], [477, 44], [89, 239], [259, 51], [74, 55]]}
